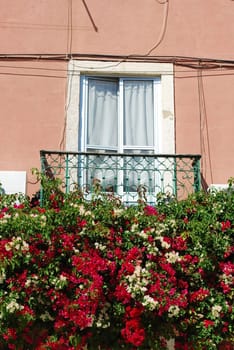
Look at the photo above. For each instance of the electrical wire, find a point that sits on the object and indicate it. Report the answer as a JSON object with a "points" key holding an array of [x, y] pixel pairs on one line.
{"points": [[216, 68], [164, 26], [68, 89], [219, 67], [69, 28], [90, 16], [204, 128], [183, 61], [186, 62], [68, 82]]}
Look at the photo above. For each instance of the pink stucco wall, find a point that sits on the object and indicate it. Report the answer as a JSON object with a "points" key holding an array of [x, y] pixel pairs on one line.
{"points": [[33, 91], [32, 113]]}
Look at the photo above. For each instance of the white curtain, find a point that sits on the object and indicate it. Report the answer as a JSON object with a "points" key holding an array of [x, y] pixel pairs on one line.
{"points": [[138, 113], [138, 117], [102, 126]]}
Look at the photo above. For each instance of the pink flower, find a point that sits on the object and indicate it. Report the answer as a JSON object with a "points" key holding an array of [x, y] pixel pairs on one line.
{"points": [[149, 210], [19, 206]]}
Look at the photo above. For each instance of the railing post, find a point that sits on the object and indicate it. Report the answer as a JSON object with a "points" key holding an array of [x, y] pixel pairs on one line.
{"points": [[67, 177], [197, 174], [42, 159], [175, 177]]}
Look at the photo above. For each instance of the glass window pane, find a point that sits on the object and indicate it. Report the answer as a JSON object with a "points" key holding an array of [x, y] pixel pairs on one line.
{"points": [[101, 172], [138, 113], [139, 172], [102, 123]]}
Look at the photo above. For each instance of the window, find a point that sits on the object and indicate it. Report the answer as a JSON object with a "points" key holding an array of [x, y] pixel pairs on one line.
{"points": [[116, 109], [120, 115]]}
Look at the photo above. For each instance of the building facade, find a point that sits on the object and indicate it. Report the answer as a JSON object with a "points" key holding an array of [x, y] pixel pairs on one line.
{"points": [[152, 76]]}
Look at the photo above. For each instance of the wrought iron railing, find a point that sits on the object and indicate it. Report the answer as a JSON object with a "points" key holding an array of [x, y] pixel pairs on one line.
{"points": [[131, 176]]}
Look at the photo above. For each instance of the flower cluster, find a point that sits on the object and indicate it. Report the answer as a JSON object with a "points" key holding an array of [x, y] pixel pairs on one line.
{"points": [[98, 275]]}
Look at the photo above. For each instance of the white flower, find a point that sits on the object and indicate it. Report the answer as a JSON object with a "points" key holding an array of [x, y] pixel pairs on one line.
{"points": [[13, 306], [7, 216], [164, 244], [8, 246], [103, 317], [173, 310], [32, 280], [25, 246], [134, 227], [149, 302], [215, 310], [18, 244], [227, 279], [138, 281], [28, 283], [62, 278], [46, 317], [142, 234], [99, 246], [172, 257], [75, 205], [117, 212], [2, 276]]}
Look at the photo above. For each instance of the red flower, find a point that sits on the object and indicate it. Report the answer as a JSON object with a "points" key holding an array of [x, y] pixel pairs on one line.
{"points": [[149, 210], [227, 267], [19, 206], [134, 312], [179, 243], [122, 294], [10, 335], [199, 295], [225, 327], [226, 288], [133, 333], [81, 223], [225, 225], [208, 323], [118, 253]]}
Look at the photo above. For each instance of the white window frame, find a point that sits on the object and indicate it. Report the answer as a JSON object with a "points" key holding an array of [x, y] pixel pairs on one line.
{"points": [[165, 121], [82, 144], [166, 118]]}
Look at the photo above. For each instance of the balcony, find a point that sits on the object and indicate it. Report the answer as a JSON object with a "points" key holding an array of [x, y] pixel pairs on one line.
{"points": [[130, 176]]}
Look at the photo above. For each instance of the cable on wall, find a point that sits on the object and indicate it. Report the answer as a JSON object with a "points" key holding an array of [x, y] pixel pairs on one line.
{"points": [[192, 63], [68, 85], [69, 29], [90, 16], [164, 26], [204, 129]]}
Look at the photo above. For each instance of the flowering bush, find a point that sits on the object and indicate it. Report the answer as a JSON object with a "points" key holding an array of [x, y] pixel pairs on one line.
{"points": [[99, 275]]}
